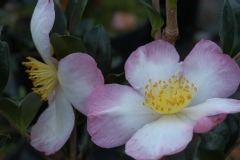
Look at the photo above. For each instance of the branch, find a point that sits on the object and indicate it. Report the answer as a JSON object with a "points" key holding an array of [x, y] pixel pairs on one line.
{"points": [[171, 33], [156, 6]]}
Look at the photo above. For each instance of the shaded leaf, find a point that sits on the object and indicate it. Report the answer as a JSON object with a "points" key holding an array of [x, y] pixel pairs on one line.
{"points": [[233, 124], [83, 27], [74, 11], [21, 113], [4, 64], [190, 152], [60, 22], [216, 139], [65, 45], [229, 29], [98, 46], [155, 17], [115, 78], [210, 155]]}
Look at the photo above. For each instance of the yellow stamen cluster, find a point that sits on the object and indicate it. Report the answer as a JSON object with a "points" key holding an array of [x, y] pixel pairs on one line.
{"points": [[44, 77], [169, 97]]}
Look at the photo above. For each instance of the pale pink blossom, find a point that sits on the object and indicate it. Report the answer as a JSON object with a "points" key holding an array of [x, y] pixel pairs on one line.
{"points": [[168, 100], [63, 83]]}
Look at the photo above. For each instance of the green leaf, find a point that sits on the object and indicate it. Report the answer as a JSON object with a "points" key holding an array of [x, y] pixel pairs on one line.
{"points": [[210, 155], [74, 11], [98, 46], [65, 45], [60, 22], [229, 29], [172, 3], [155, 18], [21, 113], [4, 64], [233, 124], [190, 152], [216, 139], [115, 78]]}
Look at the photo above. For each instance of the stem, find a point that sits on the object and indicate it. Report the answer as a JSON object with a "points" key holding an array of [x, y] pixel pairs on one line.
{"points": [[236, 56], [156, 6], [73, 141], [171, 33]]}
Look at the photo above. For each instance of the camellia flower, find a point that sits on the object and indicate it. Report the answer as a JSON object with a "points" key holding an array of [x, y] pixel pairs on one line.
{"points": [[64, 83], [158, 114]]}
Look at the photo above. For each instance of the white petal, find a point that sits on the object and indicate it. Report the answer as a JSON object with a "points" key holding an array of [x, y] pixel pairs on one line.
{"points": [[157, 60], [41, 25], [115, 112], [214, 74], [212, 107], [168, 135], [78, 75], [54, 125]]}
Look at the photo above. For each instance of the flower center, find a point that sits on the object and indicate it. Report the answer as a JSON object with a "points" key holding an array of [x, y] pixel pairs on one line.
{"points": [[169, 97], [44, 77]]}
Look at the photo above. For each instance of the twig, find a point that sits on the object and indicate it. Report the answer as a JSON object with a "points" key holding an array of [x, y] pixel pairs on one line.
{"points": [[236, 56], [171, 33], [156, 6], [73, 142]]}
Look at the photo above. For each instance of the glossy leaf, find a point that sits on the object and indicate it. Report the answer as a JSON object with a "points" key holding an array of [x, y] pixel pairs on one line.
{"points": [[4, 64], [98, 46], [190, 152], [172, 3], [21, 113], [60, 22], [65, 45], [216, 139], [74, 11], [229, 29], [233, 124], [155, 17]]}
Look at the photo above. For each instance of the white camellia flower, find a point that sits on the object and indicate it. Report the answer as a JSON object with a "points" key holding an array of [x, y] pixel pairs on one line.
{"points": [[168, 100], [65, 83]]}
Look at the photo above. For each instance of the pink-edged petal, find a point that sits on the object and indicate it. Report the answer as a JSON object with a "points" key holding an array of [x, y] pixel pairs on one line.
{"points": [[157, 60], [115, 112], [205, 124], [214, 74], [211, 107], [41, 24], [168, 135], [78, 75], [54, 125]]}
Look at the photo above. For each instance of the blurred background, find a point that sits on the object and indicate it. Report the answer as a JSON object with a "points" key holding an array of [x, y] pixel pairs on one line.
{"points": [[128, 27]]}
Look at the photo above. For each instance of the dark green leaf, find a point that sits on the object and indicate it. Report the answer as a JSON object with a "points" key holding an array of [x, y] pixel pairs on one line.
{"points": [[210, 155], [155, 18], [65, 45], [233, 124], [83, 27], [216, 139], [21, 113], [74, 11], [4, 64], [98, 46], [190, 152], [60, 22], [229, 29], [172, 3], [115, 78]]}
